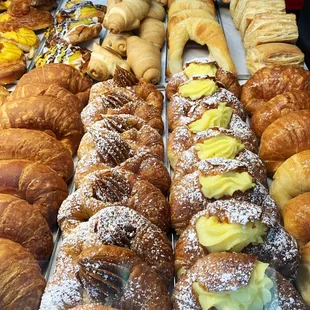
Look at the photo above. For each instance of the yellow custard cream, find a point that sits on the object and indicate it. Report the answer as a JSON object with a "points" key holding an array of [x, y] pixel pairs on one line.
{"points": [[197, 88], [22, 35], [251, 297], [219, 146], [218, 237], [200, 69], [9, 52], [219, 117], [4, 17], [217, 186]]}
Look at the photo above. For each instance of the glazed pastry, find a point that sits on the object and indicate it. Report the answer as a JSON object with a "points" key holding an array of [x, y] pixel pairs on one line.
{"points": [[44, 113], [21, 283], [303, 274], [21, 223], [36, 146], [273, 54], [109, 188], [203, 67], [66, 54], [271, 81], [236, 279], [291, 179], [285, 137], [62, 74], [277, 107], [229, 225], [117, 42], [152, 30], [139, 151], [217, 178], [38, 184]]}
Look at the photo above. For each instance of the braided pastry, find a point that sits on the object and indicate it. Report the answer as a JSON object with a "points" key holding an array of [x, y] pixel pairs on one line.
{"points": [[136, 147], [36, 183], [216, 178], [234, 279], [114, 187]]}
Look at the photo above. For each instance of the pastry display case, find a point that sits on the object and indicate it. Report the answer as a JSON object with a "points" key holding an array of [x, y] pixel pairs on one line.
{"points": [[149, 157]]}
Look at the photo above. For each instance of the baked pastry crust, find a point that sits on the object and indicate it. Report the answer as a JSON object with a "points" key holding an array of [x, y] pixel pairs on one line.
{"points": [[4, 93], [12, 71]]}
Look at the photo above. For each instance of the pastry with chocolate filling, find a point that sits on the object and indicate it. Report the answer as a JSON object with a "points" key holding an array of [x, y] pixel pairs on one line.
{"points": [[216, 178], [235, 279], [127, 142], [203, 67], [237, 226]]}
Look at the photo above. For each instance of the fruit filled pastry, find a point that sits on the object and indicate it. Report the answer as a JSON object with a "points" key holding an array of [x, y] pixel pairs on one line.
{"points": [[203, 66], [217, 178], [74, 56], [235, 279], [109, 188], [12, 63], [214, 122], [237, 226], [139, 150], [304, 274], [104, 280], [197, 95], [271, 81]]}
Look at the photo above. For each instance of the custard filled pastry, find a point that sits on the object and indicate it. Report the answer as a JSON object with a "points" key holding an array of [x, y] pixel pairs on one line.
{"points": [[235, 279], [203, 67], [114, 187], [4, 5], [235, 226], [215, 123], [137, 148], [217, 178]]}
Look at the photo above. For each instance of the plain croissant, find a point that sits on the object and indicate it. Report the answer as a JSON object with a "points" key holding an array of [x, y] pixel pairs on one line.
{"points": [[118, 42], [152, 30], [144, 59], [126, 15], [156, 11]]}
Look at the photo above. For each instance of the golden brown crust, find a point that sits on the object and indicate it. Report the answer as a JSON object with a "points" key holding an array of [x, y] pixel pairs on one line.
{"points": [[277, 107], [285, 137], [36, 146], [4, 93], [12, 71], [36, 183], [44, 113], [21, 223], [271, 81], [21, 283]]}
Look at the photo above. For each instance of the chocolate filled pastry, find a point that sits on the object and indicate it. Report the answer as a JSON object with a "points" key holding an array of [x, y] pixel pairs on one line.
{"points": [[197, 95], [237, 226], [44, 113], [21, 223], [21, 281], [64, 75], [271, 81], [203, 67], [38, 184], [213, 123], [217, 178], [235, 279], [114, 187], [74, 56], [137, 149]]}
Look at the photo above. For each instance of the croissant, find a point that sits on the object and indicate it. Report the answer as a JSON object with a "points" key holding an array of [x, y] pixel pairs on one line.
{"points": [[21, 223], [117, 42], [64, 75], [303, 274], [217, 178], [36, 183], [36, 146], [126, 15], [21, 282], [152, 30], [277, 107], [114, 187], [144, 58], [3, 94], [291, 179], [271, 81], [285, 137], [44, 113], [229, 225], [221, 278], [157, 11]]}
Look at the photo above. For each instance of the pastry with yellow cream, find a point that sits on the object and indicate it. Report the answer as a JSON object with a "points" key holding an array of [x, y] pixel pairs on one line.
{"points": [[12, 63], [215, 178], [226, 281], [198, 67], [4, 5]]}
